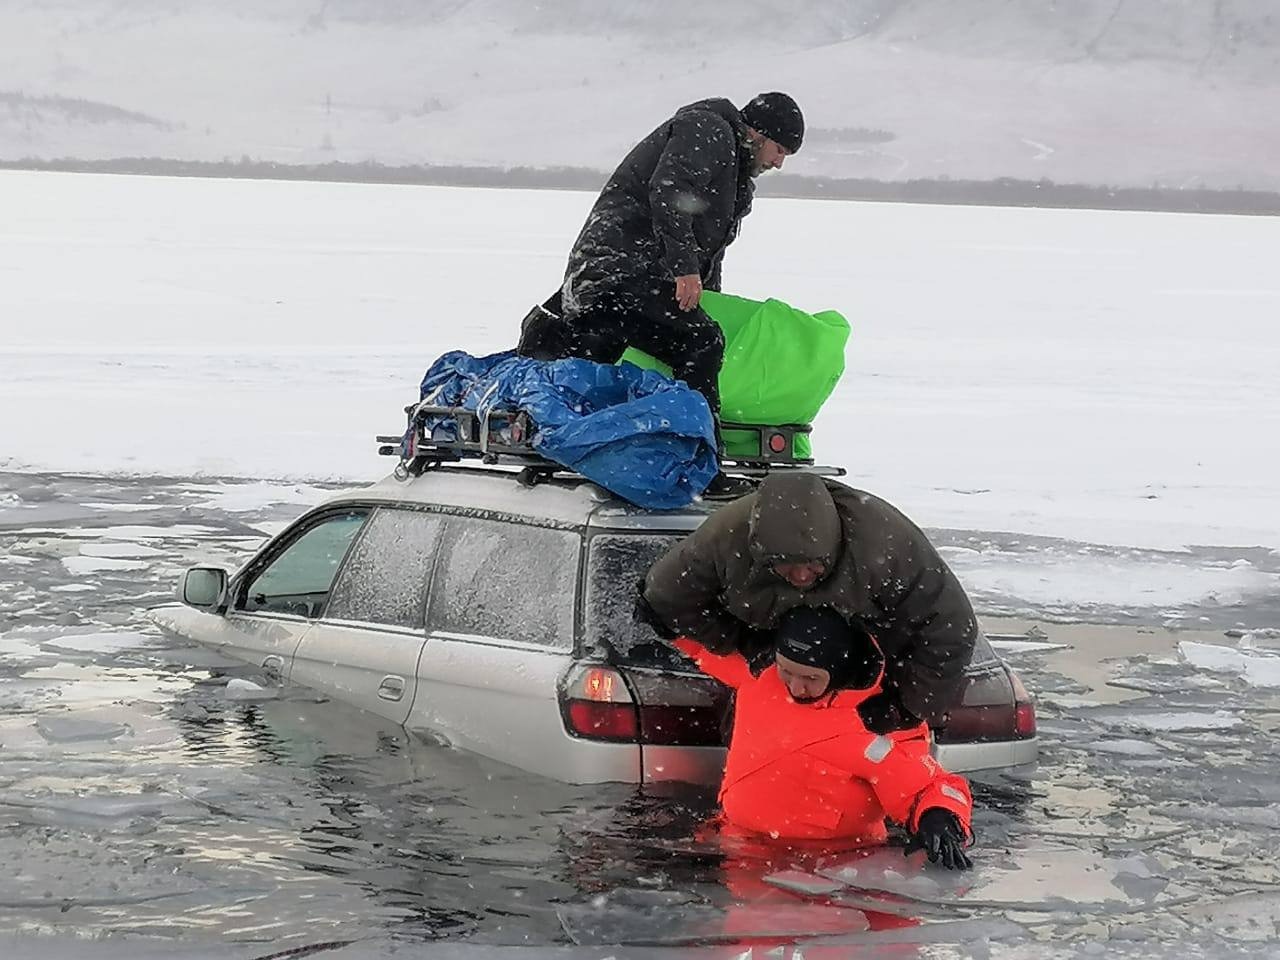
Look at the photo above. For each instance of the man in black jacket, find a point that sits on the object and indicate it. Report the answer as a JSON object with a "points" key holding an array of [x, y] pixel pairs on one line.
{"points": [[656, 238]]}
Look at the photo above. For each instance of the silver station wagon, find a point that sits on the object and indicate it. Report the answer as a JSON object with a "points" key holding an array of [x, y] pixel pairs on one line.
{"points": [[495, 615]]}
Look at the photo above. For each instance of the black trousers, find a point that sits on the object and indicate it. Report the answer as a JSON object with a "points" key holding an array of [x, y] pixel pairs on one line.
{"points": [[691, 343]]}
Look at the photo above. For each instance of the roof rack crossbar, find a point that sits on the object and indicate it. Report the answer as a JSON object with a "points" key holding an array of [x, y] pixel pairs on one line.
{"points": [[506, 437]]}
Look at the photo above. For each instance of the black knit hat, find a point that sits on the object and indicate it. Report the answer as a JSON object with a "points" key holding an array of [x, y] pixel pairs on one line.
{"points": [[778, 117], [820, 637]]}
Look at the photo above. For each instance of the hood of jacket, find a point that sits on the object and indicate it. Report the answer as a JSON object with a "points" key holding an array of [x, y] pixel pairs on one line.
{"points": [[794, 520]]}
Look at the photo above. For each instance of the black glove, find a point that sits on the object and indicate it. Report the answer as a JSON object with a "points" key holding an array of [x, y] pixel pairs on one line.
{"points": [[884, 713], [643, 613], [942, 838]]}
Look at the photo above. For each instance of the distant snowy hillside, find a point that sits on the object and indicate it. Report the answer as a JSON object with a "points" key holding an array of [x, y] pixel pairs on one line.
{"points": [[1123, 92]]}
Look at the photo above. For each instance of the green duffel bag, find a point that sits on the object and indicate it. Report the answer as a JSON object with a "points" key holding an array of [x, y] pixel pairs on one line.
{"points": [[780, 365]]}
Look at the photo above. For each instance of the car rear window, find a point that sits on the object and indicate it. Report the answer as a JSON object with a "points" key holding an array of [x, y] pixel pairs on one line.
{"points": [[983, 655], [616, 563]]}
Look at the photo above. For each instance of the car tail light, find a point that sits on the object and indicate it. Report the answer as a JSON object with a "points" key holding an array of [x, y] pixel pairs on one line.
{"points": [[994, 706], [1024, 708], [655, 709], [680, 710], [596, 705]]}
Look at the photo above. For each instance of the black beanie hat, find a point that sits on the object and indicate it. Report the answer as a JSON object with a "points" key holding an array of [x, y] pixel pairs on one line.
{"points": [[820, 637], [778, 117]]}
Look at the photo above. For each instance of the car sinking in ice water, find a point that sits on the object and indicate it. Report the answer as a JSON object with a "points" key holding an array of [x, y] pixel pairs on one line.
{"points": [[484, 599]]}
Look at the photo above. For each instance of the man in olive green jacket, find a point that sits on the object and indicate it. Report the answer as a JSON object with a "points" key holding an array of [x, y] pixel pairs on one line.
{"points": [[802, 540]]}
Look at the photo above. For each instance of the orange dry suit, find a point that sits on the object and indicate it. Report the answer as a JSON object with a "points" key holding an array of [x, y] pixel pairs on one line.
{"points": [[813, 770]]}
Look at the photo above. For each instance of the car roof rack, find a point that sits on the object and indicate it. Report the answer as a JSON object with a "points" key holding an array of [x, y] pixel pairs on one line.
{"points": [[505, 437]]}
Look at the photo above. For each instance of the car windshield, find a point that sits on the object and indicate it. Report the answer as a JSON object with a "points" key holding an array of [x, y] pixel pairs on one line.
{"points": [[616, 563]]}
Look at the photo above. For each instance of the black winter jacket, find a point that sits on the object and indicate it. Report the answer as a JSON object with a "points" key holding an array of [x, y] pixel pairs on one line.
{"points": [[670, 209]]}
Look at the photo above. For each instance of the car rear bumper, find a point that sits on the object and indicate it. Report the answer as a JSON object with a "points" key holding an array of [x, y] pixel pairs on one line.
{"points": [[700, 765], [964, 757]]}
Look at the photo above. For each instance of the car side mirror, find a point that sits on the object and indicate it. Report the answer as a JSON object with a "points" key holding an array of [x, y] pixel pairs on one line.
{"points": [[203, 587]]}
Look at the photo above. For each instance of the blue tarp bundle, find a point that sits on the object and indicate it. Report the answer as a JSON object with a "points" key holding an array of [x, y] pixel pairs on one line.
{"points": [[635, 432]]}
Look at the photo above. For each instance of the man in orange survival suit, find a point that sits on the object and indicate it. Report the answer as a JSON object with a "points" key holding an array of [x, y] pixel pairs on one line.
{"points": [[802, 764]]}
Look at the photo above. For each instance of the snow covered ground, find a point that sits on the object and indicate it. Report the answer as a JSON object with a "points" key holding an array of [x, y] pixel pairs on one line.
{"points": [[1062, 377]]}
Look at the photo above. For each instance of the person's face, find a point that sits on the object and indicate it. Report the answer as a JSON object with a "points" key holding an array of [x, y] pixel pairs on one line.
{"points": [[769, 154], [805, 683], [802, 576]]}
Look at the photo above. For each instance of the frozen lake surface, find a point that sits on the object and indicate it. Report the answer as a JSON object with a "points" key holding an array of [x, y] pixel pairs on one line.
{"points": [[143, 795], [1075, 405]]}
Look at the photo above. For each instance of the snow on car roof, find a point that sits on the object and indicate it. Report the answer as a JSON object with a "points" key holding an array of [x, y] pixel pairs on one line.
{"points": [[572, 500]]}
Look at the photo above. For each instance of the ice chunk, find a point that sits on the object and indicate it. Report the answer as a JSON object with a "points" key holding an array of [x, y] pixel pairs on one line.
{"points": [[53, 547], [1261, 638], [799, 881], [238, 689], [251, 497], [123, 507], [1253, 917], [1165, 685], [15, 648], [1125, 748], [1235, 815], [81, 565], [190, 711], [99, 642], [1257, 669], [127, 531], [1026, 646], [95, 809], [70, 729], [1170, 721], [119, 550], [968, 931], [1042, 879]]}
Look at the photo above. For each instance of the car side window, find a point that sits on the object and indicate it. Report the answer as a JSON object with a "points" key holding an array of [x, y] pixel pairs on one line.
{"points": [[506, 580], [384, 581], [297, 581]]}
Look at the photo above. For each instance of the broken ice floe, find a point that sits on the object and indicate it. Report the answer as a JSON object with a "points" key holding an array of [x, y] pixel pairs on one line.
{"points": [[1259, 669], [1042, 879], [240, 689], [80, 565], [71, 729]]}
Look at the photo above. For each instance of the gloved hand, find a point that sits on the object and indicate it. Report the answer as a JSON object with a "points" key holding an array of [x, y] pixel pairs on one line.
{"points": [[884, 713], [942, 838], [643, 613]]}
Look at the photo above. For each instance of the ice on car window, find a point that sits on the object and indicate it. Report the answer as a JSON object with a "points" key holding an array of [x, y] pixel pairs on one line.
{"points": [[508, 580], [385, 578], [615, 565]]}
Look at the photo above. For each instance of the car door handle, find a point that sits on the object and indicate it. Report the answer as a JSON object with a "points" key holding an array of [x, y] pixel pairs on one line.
{"points": [[273, 666], [391, 688]]}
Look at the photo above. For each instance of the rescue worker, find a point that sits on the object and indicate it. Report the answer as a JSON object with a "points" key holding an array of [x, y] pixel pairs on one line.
{"points": [[803, 766], [656, 238], [801, 540]]}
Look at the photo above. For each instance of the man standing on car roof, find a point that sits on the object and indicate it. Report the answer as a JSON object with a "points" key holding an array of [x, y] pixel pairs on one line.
{"points": [[801, 540], [655, 239]]}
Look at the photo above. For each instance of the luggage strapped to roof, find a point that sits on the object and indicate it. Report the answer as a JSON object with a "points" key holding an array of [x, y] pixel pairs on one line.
{"points": [[505, 437]]}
